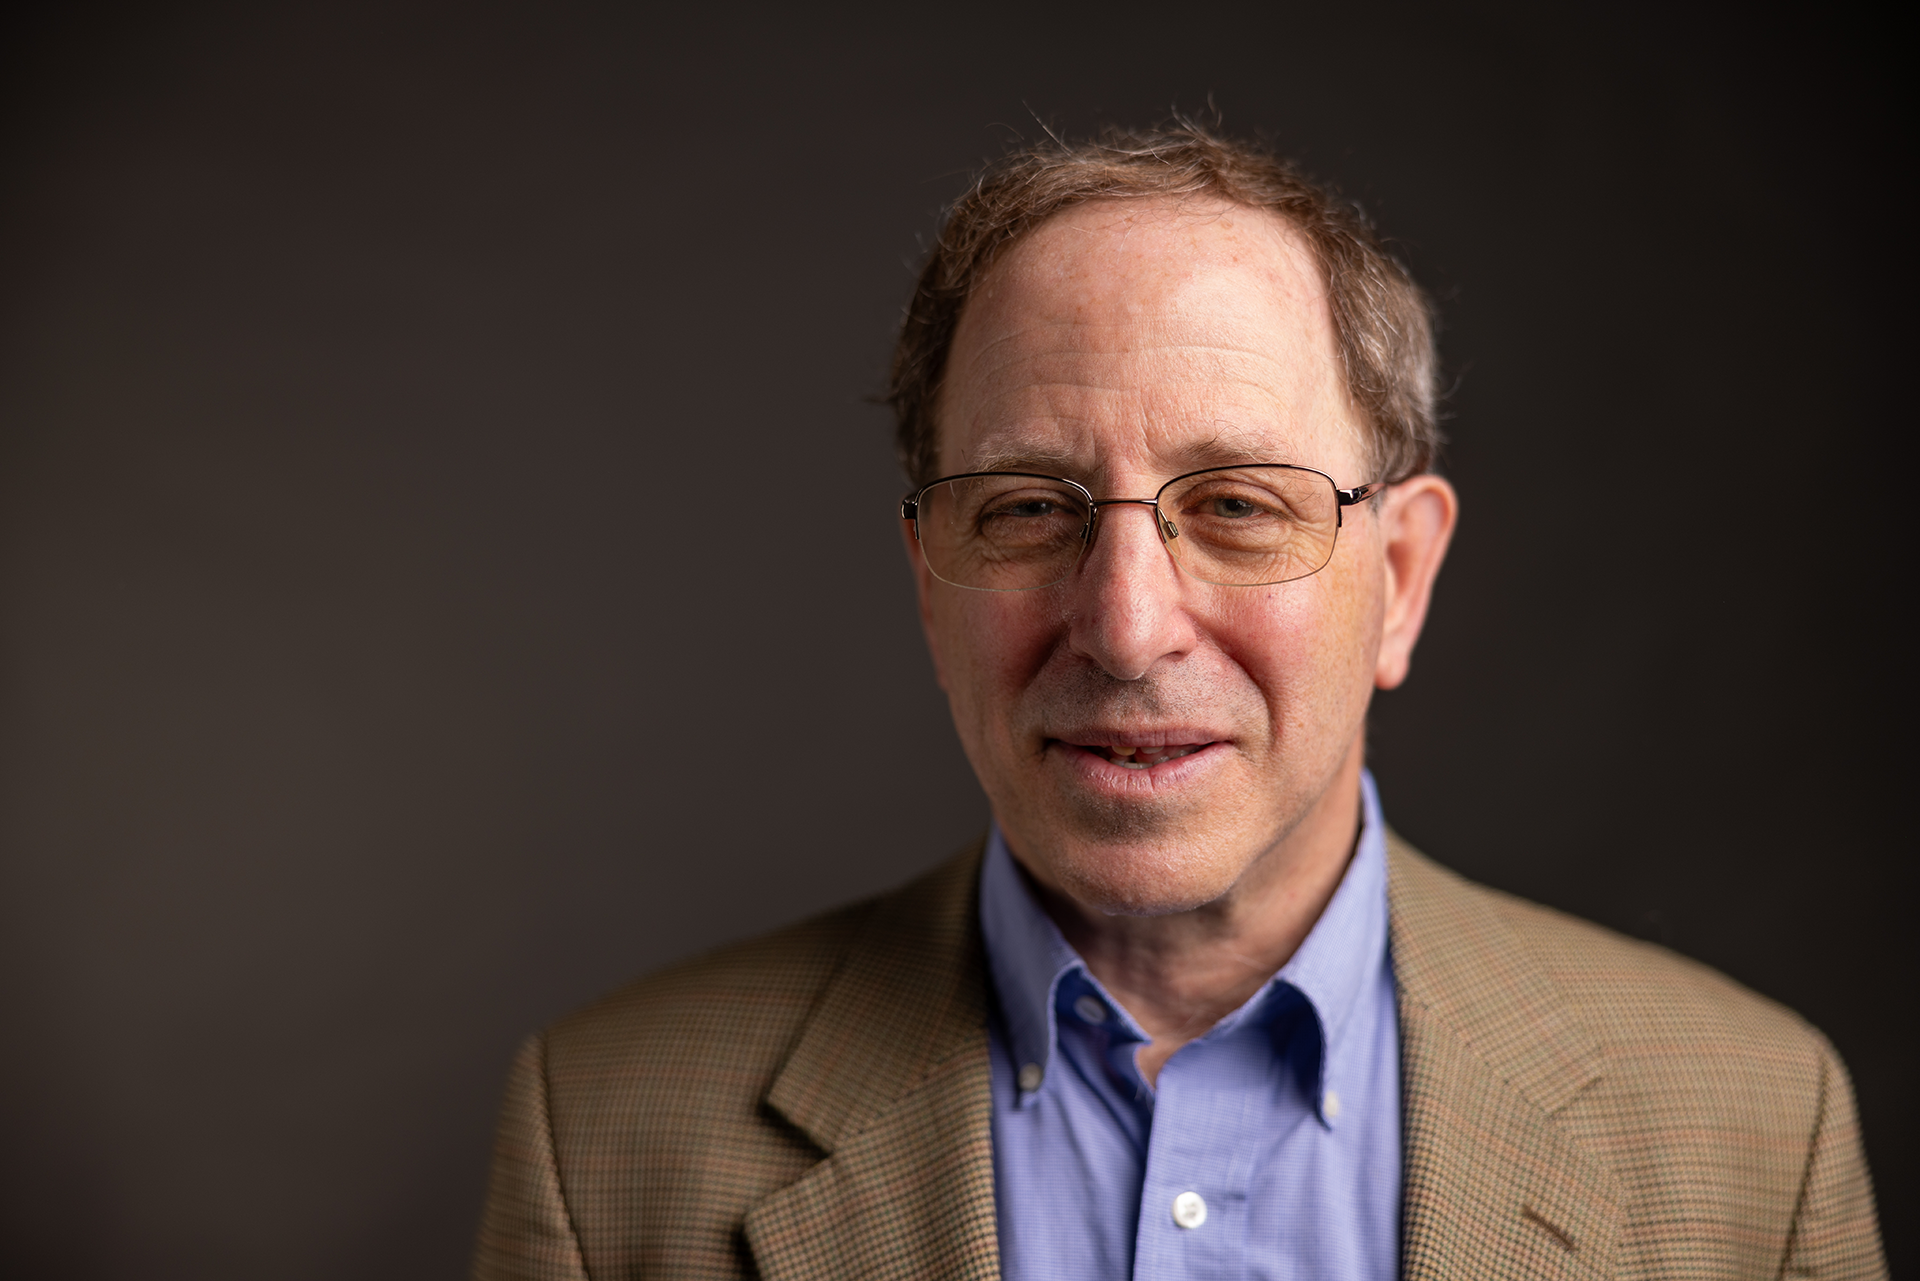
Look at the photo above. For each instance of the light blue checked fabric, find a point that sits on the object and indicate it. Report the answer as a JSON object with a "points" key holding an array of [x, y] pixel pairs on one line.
{"points": [[1284, 1118]]}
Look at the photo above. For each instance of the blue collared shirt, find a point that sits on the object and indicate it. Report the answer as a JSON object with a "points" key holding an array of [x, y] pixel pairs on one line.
{"points": [[1269, 1148]]}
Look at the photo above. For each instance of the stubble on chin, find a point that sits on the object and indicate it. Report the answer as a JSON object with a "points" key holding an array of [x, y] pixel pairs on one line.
{"points": [[1135, 861]]}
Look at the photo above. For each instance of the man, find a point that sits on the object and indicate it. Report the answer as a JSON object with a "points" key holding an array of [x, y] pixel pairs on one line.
{"points": [[1190, 1010]]}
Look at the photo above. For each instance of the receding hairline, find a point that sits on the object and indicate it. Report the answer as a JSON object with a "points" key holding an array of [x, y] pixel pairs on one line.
{"points": [[1383, 321], [1225, 442], [1290, 238]]}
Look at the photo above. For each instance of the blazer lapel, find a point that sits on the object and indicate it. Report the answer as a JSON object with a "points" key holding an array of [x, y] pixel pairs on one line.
{"points": [[891, 1080], [1493, 1186]]}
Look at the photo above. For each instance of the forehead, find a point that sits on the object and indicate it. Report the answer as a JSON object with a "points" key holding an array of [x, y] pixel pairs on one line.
{"points": [[1149, 335]]}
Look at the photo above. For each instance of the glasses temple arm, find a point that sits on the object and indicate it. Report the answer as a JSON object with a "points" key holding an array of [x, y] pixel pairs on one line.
{"points": [[1359, 493]]}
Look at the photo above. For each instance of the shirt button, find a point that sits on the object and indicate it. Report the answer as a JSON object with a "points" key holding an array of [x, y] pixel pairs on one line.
{"points": [[1030, 1077], [1189, 1210], [1090, 1009], [1331, 1103]]}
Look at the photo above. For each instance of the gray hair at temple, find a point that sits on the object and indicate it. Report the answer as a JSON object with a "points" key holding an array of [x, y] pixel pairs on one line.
{"points": [[1383, 322]]}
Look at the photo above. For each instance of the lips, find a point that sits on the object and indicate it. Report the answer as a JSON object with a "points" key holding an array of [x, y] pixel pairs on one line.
{"points": [[1108, 756], [1166, 765], [1128, 756]]}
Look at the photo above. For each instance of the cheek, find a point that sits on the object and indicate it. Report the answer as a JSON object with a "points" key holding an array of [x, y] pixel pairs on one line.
{"points": [[990, 646], [1309, 647]]}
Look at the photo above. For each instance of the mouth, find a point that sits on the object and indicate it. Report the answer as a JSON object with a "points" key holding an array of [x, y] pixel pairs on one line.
{"points": [[1136, 756]]}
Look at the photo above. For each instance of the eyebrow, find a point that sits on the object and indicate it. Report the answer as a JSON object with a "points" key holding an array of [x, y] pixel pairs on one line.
{"points": [[1223, 448], [1023, 460]]}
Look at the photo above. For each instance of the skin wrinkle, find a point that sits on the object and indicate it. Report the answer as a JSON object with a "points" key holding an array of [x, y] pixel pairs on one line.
{"points": [[1200, 455], [1118, 343], [1017, 379]]}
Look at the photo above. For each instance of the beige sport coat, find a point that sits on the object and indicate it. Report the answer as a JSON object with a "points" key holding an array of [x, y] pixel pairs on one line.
{"points": [[815, 1104]]}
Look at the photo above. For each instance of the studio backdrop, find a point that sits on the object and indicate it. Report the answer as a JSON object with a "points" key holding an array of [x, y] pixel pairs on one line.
{"points": [[448, 556]]}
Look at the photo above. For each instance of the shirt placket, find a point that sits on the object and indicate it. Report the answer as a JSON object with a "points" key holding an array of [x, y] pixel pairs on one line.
{"points": [[1207, 1127]]}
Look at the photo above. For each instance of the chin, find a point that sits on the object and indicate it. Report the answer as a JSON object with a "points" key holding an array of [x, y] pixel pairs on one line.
{"points": [[1140, 879]]}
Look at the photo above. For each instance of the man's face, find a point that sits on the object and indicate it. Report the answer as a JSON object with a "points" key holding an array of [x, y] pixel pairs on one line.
{"points": [[1122, 344]]}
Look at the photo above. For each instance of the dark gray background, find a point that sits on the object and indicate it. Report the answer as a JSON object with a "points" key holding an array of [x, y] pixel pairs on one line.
{"points": [[376, 686]]}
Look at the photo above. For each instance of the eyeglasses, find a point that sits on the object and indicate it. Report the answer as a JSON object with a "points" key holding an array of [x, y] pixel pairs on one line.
{"points": [[1251, 526]]}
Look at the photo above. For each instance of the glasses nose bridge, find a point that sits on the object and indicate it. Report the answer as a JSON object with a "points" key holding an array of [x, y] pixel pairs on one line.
{"points": [[1161, 526]]}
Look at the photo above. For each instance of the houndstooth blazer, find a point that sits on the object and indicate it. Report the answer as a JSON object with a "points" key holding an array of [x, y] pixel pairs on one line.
{"points": [[815, 1104]]}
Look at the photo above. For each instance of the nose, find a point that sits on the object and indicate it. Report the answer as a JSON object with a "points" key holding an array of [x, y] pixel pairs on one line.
{"points": [[1128, 606]]}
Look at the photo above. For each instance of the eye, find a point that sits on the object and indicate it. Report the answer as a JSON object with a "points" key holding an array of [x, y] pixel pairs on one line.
{"points": [[1030, 517], [1232, 508], [1233, 504], [1030, 508]]}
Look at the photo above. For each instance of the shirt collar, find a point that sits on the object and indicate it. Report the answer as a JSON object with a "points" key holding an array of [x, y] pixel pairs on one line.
{"points": [[1028, 957]]}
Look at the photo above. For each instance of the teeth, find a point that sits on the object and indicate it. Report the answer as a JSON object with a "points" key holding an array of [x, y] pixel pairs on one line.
{"points": [[1148, 757]]}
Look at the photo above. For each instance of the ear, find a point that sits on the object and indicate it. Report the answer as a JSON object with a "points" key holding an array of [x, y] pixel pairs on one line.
{"points": [[1416, 524], [923, 586]]}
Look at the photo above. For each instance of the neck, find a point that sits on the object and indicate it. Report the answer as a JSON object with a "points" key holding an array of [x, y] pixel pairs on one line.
{"points": [[1181, 973]]}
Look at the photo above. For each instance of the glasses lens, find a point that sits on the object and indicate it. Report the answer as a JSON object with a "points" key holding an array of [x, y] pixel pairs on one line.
{"points": [[1002, 532], [1251, 526]]}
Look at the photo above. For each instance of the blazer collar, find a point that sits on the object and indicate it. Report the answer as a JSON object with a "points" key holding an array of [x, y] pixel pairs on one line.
{"points": [[890, 1079], [1493, 1183]]}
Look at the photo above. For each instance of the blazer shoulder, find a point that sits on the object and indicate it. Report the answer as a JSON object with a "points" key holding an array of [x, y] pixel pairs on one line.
{"points": [[1644, 1002], [651, 1099], [656, 1099], [732, 1015], [758, 989], [1718, 1125], [1641, 990]]}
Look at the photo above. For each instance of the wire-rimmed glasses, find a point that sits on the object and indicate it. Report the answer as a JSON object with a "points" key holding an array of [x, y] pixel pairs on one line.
{"points": [[1248, 526]]}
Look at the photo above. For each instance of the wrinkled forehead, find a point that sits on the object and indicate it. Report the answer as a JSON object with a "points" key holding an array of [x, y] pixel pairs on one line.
{"points": [[1149, 336]]}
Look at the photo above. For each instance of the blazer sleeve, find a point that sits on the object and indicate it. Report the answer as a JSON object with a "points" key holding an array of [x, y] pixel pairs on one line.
{"points": [[526, 1230], [1835, 1232]]}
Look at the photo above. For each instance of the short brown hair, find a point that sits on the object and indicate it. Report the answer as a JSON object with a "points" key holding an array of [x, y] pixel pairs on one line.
{"points": [[1382, 321]]}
